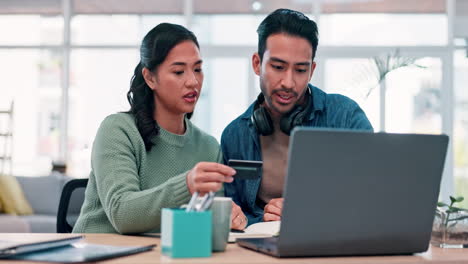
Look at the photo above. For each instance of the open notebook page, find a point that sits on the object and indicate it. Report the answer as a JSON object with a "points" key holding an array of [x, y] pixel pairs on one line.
{"points": [[262, 229]]}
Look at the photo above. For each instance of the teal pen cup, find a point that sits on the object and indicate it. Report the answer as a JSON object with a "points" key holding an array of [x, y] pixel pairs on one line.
{"points": [[186, 234]]}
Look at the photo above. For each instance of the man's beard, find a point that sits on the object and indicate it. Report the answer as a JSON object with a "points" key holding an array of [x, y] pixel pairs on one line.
{"points": [[269, 101]]}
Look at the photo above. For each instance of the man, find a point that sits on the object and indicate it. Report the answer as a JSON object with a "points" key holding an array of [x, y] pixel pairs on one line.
{"points": [[285, 63]]}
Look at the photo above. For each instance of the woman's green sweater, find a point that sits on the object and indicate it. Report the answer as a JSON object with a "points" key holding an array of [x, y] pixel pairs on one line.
{"points": [[129, 186]]}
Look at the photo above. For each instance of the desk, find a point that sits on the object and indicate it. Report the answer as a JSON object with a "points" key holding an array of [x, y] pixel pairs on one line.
{"points": [[236, 254]]}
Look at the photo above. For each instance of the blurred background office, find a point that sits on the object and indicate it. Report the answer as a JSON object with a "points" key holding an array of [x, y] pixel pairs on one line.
{"points": [[66, 64]]}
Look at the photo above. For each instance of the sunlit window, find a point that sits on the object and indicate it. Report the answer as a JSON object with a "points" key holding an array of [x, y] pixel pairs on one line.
{"points": [[31, 79], [224, 94], [100, 80], [349, 77], [460, 138], [383, 29], [104, 49], [414, 98], [227, 29], [115, 29], [30, 29]]}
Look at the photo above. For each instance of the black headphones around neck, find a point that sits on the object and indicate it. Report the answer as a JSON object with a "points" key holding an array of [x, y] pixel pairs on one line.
{"points": [[262, 121]]}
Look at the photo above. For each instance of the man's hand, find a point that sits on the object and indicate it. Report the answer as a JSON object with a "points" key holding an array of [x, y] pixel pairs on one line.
{"points": [[272, 211], [238, 219], [208, 177]]}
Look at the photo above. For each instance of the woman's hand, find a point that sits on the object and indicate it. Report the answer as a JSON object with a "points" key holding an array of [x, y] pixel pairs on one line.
{"points": [[238, 219], [208, 177]]}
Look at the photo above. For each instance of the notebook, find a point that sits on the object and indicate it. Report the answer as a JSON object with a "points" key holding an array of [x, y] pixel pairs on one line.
{"points": [[257, 230]]}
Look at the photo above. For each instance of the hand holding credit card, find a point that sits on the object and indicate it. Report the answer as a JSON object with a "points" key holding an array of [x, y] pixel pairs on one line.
{"points": [[246, 169]]}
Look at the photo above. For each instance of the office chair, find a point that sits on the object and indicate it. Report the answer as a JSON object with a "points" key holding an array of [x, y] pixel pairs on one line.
{"points": [[71, 186]]}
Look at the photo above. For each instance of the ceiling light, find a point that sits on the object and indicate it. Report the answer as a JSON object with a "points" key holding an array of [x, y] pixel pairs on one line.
{"points": [[256, 5]]}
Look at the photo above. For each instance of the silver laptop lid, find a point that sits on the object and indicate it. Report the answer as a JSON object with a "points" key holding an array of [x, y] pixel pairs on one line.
{"points": [[360, 193]]}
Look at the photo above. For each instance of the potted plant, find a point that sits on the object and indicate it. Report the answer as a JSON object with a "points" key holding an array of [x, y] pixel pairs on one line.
{"points": [[373, 74], [450, 228]]}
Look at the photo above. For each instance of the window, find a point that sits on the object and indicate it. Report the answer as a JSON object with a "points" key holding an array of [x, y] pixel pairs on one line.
{"points": [[30, 30], [414, 98], [31, 79], [116, 29], [100, 80], [349, 77], [224, 95], [227, 29], [460, 137], [105, 36], [384, 30]]}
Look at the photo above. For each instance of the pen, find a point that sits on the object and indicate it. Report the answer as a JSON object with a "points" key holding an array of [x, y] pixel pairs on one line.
{"points": [[198, 203], [208, 200], [191, 204]]}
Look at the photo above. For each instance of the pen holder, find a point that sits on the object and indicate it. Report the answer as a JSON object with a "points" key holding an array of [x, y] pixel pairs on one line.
{"points": [[185, 234]]}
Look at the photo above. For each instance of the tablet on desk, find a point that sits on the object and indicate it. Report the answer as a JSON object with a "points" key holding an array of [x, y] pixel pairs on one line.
{"points": [[63, 249]]}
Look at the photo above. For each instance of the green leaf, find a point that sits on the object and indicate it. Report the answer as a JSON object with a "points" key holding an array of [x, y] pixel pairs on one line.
{"points": [[442, 204], [456, 199], [458, 218], [458, 208], [452, 199], [453, 210]]}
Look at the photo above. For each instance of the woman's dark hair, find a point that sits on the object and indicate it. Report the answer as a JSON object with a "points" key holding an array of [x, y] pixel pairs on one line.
{"points": [[290, 22], [154, 49]]}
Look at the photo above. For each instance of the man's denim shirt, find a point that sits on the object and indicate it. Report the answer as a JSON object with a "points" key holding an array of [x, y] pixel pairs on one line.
{"points": [[241, 141]]}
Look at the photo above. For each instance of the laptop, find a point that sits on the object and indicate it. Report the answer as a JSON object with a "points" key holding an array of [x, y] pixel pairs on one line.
{"points": [[357, 193]]}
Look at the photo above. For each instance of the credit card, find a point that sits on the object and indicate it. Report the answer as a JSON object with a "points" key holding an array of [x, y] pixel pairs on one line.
{"points": [[246, 169]]}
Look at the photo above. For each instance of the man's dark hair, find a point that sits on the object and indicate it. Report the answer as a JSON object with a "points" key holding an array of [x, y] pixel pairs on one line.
{"points": [[290, 22]]}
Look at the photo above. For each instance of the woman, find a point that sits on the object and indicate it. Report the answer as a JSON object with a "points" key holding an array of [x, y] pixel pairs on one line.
{"points": [[153, 156]]}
